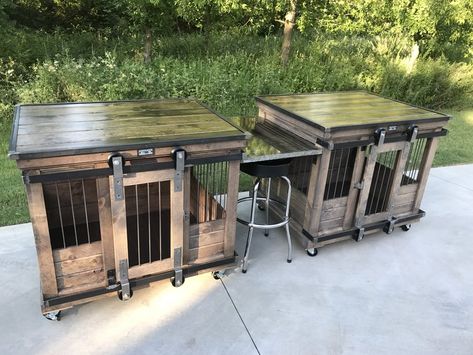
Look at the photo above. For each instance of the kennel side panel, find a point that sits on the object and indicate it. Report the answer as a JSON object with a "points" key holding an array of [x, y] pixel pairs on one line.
{"points": [[37, 209], [429, 154]]}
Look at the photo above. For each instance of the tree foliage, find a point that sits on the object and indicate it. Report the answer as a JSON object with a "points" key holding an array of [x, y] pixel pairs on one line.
{"points": [[439, 27]]}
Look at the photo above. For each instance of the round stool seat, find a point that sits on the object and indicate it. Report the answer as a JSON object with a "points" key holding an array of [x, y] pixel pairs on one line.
{"points": [[267, 169]]}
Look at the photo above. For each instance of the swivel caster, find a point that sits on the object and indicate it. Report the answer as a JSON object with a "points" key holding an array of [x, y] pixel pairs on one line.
{"points": [[218, 275], [177, 284], [406, 227], [53, 316], [311, 252], [126, 297], [262, 206]]}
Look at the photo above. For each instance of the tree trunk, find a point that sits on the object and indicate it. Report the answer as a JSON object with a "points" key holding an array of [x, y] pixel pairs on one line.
{"points": [[148, 45], [289, 22]]}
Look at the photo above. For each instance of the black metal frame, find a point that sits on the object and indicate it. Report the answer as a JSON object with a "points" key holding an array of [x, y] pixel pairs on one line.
{"points": [[354, 231], [90, 173], [388, 139], [145, 280]]}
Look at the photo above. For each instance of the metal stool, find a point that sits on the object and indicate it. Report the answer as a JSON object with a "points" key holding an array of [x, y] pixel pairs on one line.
{"points": [[261, 170]]}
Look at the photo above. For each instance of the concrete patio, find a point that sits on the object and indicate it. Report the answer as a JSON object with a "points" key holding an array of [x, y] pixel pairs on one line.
{"points": [[406, 293]]}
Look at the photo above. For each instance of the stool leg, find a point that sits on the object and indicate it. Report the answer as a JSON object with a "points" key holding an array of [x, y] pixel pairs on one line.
{"points": [[289, 244], [268, 191], [286, 216], [250, 230]]}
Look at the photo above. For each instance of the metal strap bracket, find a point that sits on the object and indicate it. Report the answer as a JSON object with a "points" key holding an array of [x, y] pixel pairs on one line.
{"points": [[178, 276], [117, 163], [413, 131], [389, 227], [379, 136], [180, 162], [124, 282], [360, 234]]}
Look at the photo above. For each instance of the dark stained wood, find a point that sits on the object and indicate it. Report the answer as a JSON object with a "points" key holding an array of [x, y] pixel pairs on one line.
{"points": [[332, 111], [79, 128]]}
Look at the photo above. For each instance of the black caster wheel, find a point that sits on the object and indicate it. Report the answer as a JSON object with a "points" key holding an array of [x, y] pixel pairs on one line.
{"points": [[120, 295], [312, 252], [289, 261], [53, 316], [217, 275], [387, 229], [262, 206], [173, 282], [243, 271], [406, 227]]}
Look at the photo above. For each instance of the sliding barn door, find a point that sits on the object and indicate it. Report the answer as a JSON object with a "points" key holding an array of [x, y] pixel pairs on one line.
{"points": [[148, 223]]}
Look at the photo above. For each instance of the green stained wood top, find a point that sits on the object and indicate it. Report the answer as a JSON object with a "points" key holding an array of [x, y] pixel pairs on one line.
{"points": [[349, 109], [77, 128]]}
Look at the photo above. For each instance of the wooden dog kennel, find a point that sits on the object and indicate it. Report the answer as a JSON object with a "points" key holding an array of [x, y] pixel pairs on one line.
{"points": [[126, 193], [373, 169]]}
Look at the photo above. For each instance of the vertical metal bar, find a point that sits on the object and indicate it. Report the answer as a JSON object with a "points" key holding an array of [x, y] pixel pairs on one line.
{"points": [[338, 172], [382, 183], [85, 209], [196, 170], [213, 190], [407, 169], [330, 171], [227, 171], [60, 216], [392, 162], [149, 223], [73, 214], [374, 182], [418, 159], [411, 162], [206, 192], [137, 224], [160, 221], [345, 171], [221, 167]]}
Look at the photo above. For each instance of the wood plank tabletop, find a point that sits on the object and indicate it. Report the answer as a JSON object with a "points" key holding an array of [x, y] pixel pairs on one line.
{"points": [[341, 110], [45, 130]]}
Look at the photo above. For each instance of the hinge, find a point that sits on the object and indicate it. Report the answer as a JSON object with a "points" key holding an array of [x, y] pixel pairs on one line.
{"points": [[117, 164], [180, 161]]}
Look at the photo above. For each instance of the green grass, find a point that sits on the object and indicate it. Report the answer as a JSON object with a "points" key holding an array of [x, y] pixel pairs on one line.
{"points": [[457, 146], [13, 208]]}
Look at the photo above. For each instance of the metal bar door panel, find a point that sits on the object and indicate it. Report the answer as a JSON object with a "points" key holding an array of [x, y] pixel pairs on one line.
{"points": [[147, 222], [381, 182]]}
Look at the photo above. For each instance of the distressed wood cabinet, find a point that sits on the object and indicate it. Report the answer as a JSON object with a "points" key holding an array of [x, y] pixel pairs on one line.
{"points": [[375, 161], [125, 193]]}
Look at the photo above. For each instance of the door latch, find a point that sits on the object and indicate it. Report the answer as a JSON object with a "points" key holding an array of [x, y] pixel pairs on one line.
{"points": [[124, 282]]}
